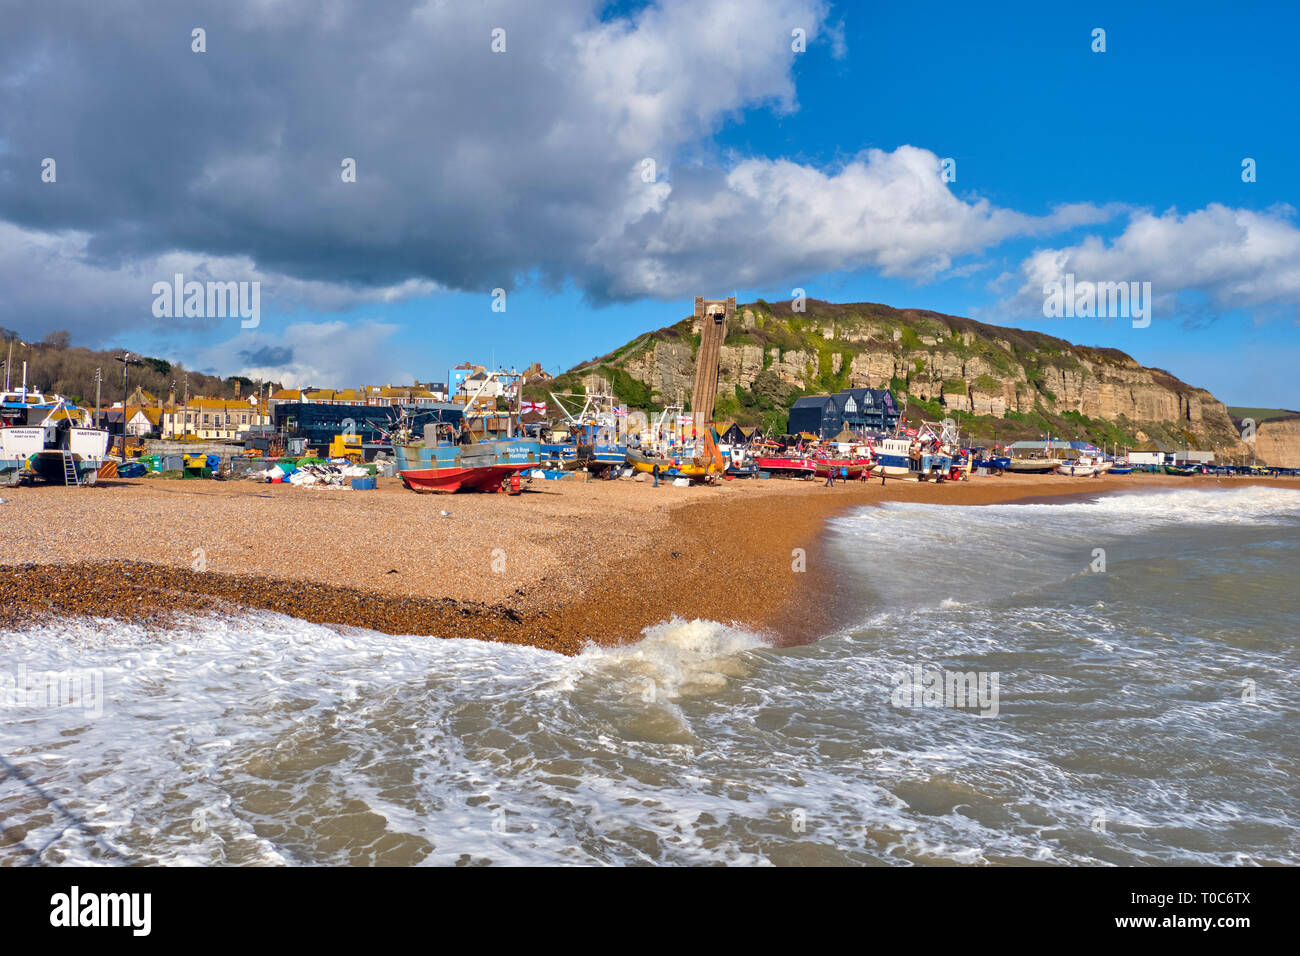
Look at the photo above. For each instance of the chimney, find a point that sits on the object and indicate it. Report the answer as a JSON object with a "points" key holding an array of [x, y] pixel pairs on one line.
{"points": [[237, 384]]}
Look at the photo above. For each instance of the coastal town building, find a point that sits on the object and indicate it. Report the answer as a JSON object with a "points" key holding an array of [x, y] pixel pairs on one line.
{"points": [[857, 409], [212, 419]]}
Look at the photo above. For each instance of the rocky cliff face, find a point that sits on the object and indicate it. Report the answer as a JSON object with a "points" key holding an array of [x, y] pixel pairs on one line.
{"points": [[1278, 442], [945, 363]]}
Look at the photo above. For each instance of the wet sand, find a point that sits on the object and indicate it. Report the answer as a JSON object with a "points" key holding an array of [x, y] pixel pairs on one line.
{"points": [[562, 565]]}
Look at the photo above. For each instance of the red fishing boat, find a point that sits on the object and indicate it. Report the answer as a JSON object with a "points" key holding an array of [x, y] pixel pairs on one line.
{"points": [[856, 467], [780, 465]]}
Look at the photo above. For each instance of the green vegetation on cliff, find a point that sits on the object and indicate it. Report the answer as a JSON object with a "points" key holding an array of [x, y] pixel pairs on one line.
{"points": [[1001, 383]]}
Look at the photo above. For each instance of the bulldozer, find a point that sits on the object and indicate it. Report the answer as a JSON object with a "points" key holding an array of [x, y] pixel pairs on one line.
{"points": [[347, 446]]}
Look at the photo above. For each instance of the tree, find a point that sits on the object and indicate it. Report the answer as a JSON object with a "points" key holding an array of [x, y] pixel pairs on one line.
{"points": [[58, 340]]}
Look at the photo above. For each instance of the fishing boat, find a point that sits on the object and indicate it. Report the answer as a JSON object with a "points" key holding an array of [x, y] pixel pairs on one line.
{"points": [[1121, 469], [1181, 471], [699, 462], [927, 453], [1033, 466], [561, 456], [646, 461], [992, 463], [593, 432], [793, 466], [445, 462], [842, 467], [50, 438], [739, 461]]}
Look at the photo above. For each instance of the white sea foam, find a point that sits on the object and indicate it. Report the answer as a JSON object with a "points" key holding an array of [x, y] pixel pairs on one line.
{"points": [[266, 740]]}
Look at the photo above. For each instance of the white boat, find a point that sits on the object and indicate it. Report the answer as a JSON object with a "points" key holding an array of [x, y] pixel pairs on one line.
{"points": [[51, 437], [928, 454], [1084, 467]]}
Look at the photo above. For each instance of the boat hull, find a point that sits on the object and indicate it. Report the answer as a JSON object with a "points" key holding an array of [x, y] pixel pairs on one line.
{"points": [[799, 467], [915, 469], [1033, 466], [448, 481], [645, 464], [446, 469], [855, 468], [48, 466]]}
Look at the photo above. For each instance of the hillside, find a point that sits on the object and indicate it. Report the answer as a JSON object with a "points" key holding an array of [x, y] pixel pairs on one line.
{"points": [[1000, 383], [55, 366]]}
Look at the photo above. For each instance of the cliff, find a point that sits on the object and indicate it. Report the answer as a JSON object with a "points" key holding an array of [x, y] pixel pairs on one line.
{"points": [[1277, 442], [1000, 383]]}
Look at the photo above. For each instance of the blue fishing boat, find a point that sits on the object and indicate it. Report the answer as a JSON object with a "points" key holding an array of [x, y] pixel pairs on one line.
{"points": [[445, 467], [926, 454]]}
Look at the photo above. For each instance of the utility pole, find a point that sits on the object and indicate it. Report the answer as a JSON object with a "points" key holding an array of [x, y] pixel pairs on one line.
{"points": [[99, 379], [127, 362]]}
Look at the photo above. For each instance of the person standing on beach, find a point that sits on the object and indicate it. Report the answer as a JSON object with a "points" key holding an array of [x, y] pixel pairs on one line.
{"points": [[830, 477], [655, 473]]}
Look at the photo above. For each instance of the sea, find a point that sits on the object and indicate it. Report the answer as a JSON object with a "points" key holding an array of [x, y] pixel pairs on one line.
{"points": [[1107, 681]]}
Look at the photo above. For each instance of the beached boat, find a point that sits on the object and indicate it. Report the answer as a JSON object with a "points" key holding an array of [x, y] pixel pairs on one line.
{"points": [[645, 461], [72, 456], [49, 438], [1121, 470], [1033, 466], [740, 463], [994, 464], [843, 467], [910, 458], [699, 462], [786, 465], [445, 467], [1181, 471]]}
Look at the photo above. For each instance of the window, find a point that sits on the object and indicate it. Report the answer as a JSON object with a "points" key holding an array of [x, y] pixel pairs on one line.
{"points": [[206, 418]]}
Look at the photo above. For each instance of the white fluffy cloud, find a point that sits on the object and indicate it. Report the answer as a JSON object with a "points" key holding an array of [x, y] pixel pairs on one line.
{"points": [[1234, 258], [767, 220]]}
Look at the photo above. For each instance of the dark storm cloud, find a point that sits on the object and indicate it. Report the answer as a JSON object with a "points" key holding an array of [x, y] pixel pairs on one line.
{"points": [[268, 355], [473, 167]]}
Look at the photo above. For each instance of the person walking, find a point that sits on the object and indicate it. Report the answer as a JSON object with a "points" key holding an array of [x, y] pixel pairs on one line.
{"points": [[830, 477]]}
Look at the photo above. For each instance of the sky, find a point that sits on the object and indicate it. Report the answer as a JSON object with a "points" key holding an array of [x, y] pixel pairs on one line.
{"points": [[601, 164]]}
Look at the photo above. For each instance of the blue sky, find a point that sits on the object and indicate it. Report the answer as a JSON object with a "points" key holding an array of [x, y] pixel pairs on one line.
{"points": [[1149, 136]]}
